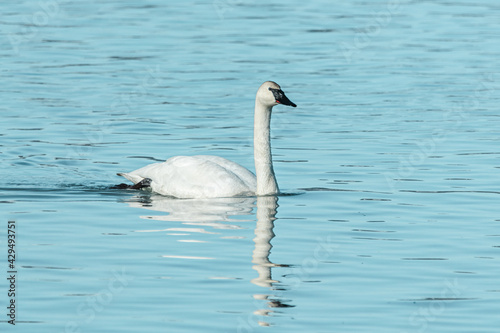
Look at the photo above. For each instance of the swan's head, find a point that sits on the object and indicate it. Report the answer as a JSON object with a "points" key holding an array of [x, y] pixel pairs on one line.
{"points": [[270, 94]]}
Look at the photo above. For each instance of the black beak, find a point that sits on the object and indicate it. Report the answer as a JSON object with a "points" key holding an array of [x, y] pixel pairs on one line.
{"points": [[281, 98]]}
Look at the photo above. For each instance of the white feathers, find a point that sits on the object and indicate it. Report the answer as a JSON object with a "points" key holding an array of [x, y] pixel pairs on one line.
{"points": [[205, 176], [197, 177]]}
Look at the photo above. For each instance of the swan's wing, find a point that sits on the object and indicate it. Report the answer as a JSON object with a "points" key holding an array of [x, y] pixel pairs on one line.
{"points": [[196, 177], [241, 172]]}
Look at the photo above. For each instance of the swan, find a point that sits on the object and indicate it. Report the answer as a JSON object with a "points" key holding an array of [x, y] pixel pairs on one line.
{"points": [[205, 176]]}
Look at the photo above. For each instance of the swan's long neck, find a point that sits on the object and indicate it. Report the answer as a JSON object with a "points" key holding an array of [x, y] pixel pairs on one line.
{"points": [[266, 181]]}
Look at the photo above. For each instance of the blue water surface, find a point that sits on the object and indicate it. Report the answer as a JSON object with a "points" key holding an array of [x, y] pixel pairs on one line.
{"points": [[389, 221]]}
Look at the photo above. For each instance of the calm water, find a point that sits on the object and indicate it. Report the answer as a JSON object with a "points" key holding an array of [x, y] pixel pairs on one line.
{"points": [[391, 163]]}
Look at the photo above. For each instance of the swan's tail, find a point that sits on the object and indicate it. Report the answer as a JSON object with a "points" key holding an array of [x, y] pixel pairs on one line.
{"points": [[132, 177]]}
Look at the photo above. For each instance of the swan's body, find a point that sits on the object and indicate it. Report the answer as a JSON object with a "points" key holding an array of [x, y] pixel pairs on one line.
{"points": [[199, 176], [205, 176]]}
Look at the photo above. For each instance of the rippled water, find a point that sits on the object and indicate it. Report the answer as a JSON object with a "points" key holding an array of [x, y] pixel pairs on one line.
{"points": [[389, 164]]}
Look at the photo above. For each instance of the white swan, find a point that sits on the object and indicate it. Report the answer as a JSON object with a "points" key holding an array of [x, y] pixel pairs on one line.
{"points": [[212, 176]]}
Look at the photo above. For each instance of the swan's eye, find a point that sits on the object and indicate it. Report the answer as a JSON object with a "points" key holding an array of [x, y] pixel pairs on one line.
{"points": [[278, 93], [280, 97]]}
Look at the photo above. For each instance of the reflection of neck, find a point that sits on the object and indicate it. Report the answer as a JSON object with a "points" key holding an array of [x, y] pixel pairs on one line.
{"points": [[266, 212], [266, 181]]}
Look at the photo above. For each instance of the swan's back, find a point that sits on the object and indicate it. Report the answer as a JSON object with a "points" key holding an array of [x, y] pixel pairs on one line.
{"points": [[200, 176]]}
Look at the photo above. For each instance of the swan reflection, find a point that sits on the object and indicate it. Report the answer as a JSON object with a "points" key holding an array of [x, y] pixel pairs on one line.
{"points": [[216, 213], [266, 214], [267, 208], [201, 212]]}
